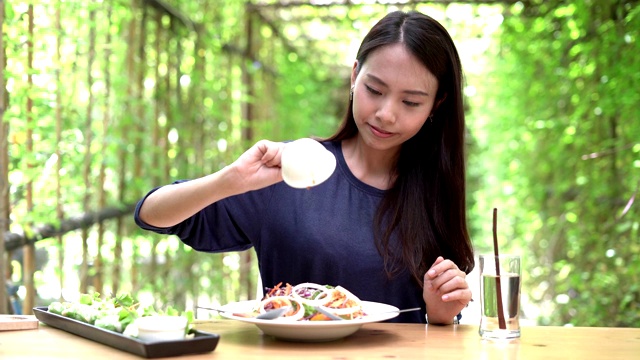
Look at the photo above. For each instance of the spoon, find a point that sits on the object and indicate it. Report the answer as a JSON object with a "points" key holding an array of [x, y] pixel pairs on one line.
{"points": [[328, 314], [269, 315], [332, 316], [274, 314]]}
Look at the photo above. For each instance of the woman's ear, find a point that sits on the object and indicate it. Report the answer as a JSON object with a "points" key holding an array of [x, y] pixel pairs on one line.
{"points": [[439, 102], [354, 73]]}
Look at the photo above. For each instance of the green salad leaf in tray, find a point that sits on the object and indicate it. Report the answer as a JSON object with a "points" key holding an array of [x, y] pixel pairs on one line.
{"points": [[112, 313]]}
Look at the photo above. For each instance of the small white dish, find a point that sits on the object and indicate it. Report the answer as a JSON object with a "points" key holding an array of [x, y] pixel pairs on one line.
{"points": [[306, 163], [310, 331], [161, 327]]}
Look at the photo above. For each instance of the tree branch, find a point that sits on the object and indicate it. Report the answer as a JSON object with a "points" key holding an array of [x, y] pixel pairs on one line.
{"points": [[14, 241], [172, 12]]}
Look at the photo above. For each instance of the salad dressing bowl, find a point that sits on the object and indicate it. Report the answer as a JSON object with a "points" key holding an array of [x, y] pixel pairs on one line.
{"points": [[306, 163], [161, 327]]}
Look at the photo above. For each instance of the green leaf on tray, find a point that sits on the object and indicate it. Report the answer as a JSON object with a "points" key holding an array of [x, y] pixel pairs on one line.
{"points": [[112, 313]]}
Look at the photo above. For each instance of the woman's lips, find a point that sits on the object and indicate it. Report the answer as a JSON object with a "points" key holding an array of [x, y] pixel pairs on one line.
{"points": [[379, 132]]}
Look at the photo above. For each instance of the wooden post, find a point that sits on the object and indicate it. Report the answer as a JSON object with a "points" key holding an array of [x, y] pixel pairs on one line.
{"points": [[106, 120], [123, 156], [28, 255], [247, 132], [88, 155], [4, 173], [59, 200]]}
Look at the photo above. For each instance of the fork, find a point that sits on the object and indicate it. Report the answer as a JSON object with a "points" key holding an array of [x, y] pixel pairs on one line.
{"points": [[269, 315], [333, 316]]}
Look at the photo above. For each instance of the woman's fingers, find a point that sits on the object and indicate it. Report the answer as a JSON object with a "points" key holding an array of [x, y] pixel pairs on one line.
{"points": [[447, 280], [461, 295], [440, 267], [451, 284], [271, 152], [259, 166]]}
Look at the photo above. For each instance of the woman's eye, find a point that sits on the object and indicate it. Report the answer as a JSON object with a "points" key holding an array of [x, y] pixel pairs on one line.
{"points": [[372, 90], [376, 92]]}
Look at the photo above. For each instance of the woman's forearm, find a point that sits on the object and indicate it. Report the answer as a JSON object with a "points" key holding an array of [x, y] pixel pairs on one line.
{"points": [[256, 168], [172, 204]]}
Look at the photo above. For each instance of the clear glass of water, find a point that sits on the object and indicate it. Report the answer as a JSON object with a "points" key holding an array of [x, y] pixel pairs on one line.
{"points": [[500, 296]]}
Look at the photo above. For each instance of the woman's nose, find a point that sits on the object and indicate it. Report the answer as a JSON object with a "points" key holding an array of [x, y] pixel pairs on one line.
{"points": [[386, 111]]}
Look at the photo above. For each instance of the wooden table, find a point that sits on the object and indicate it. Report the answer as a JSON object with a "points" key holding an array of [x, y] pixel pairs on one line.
{"points": [[374, 341]]}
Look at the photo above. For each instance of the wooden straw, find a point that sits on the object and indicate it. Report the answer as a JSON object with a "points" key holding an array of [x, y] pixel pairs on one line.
{"points": [[501, 323]]}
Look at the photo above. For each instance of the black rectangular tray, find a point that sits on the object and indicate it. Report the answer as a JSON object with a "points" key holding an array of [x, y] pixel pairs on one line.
{"points": [[201, 342]]}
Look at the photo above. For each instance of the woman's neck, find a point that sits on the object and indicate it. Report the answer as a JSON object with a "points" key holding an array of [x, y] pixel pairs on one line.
{"points": [[371, 166]]}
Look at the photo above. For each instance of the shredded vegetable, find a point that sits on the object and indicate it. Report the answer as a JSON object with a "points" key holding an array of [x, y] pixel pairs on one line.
{"points": [[306, 297]]}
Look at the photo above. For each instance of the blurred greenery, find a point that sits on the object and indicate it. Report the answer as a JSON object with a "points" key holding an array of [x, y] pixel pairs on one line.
{"points": [[180, 92], [559, 114]]}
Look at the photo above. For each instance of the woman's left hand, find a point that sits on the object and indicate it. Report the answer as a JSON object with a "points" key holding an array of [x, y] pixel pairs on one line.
{"points": [[446, 291]]}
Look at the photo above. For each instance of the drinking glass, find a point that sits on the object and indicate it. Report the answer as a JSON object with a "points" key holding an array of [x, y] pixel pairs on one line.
{"points": [[500, 296]]}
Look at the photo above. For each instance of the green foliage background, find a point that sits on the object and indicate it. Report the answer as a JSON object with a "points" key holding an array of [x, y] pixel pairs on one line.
{"points": [[554, 136], [559, 119]]}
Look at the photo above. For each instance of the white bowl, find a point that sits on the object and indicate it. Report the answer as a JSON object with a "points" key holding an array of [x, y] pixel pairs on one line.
{"points": [[306, 163], [161, 327]]}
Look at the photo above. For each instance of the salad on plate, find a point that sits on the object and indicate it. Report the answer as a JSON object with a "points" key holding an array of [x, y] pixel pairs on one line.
{"points": [[304, 300]]}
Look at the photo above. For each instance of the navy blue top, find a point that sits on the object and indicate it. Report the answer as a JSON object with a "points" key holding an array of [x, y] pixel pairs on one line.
{"points": [[323, 235]]}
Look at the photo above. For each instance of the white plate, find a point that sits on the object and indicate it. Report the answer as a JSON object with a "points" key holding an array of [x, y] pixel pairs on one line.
{"points": [[311, 331]]}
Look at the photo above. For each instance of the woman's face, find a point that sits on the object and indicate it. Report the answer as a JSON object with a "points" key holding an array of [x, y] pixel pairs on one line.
{"points": [[393, 96]]}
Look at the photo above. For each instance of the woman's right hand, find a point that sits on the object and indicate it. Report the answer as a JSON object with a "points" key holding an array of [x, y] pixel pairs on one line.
{"points": [[259, 166]]}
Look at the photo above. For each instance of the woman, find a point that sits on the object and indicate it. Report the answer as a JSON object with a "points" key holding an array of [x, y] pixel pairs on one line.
{"points": [[389, 224]]}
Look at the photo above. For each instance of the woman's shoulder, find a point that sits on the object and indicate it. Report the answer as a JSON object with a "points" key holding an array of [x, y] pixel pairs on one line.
{"points": [[335, 146]]}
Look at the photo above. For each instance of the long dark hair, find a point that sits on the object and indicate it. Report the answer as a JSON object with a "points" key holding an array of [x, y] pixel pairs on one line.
{"points": [[423, 214]]}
